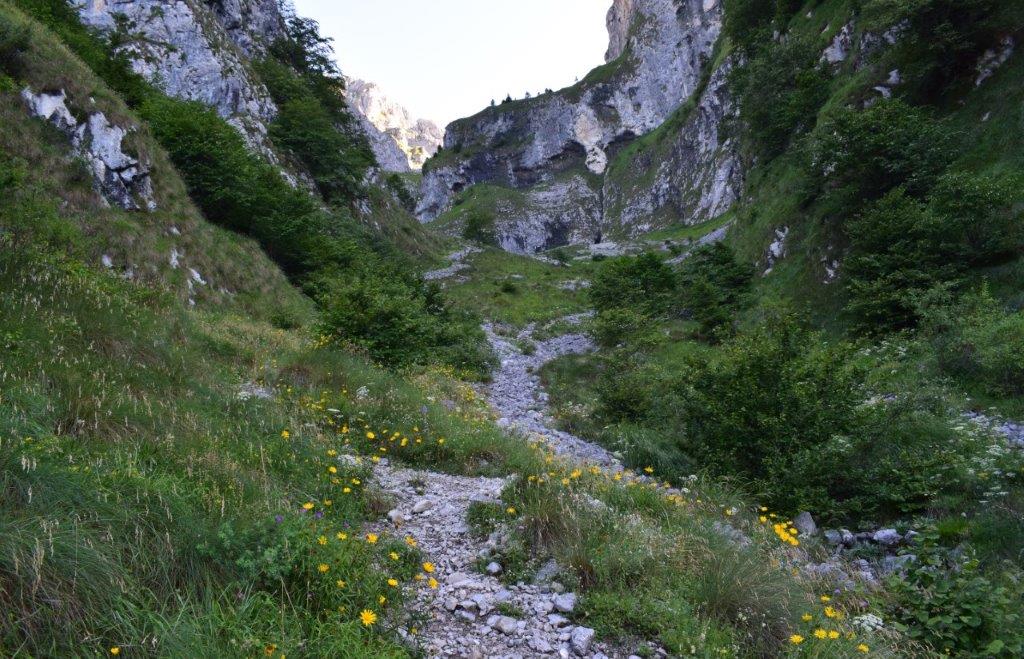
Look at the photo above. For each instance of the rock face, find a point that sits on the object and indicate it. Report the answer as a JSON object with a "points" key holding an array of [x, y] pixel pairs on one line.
{"points": [[658, 58], [692, 174], [400, 142], [197, 53], [121, 179]]}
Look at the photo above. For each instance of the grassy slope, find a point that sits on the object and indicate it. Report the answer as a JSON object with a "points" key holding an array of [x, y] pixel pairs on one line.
{"points": [[63, 204]]}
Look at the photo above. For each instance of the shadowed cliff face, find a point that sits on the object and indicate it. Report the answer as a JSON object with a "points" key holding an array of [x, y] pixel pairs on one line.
{"points": [[660, 53]]}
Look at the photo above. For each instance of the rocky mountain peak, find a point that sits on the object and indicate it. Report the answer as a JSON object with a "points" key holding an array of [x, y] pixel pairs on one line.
{"points": [[407, 142], [620, 18]]}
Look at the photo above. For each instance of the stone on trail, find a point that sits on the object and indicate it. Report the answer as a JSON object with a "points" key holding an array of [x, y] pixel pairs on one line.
{"points": [[581, 640], [566, 603], [493, 569]]}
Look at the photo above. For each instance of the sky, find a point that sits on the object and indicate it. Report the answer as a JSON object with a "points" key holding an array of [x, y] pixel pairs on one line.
{"points": [[446, 59]]}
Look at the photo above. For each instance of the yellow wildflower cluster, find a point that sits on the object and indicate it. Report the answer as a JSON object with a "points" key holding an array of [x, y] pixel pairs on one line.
{"points": [[826, 628]]}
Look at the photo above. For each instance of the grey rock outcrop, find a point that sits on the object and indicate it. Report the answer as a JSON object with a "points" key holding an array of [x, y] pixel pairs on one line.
{"points": [[694, 174], [661, 49], [121, 179], [400, 142], [189, 51]]}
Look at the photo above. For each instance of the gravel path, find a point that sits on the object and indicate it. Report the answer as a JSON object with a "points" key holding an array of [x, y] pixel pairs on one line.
{"points": [[471, 614], [517, 395], [457, 265]]}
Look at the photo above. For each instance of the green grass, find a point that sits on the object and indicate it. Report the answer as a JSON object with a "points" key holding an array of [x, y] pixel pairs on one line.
{"points": [[514, 289]]}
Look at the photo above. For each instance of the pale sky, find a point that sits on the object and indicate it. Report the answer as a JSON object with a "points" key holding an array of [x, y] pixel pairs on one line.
{"points": [[446, 59]]}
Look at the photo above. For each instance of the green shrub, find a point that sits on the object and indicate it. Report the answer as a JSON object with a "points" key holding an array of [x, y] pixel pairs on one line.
{"points": [[900, 247], [14, 42], [617, 327], [479, 227], [400, 321], [860, 155], [713, 286], [774, 395], [780, 90], [642, 283], [895, 254], [321, 134], [977, 340], [946, 601]]}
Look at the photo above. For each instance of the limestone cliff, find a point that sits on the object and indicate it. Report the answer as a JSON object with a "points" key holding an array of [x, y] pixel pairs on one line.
{"points": [[660, 56], [400, 142], [197, 51]]}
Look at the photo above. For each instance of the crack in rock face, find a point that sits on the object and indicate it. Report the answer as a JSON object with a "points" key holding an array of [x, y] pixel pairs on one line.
{"points": [[118, 177]]}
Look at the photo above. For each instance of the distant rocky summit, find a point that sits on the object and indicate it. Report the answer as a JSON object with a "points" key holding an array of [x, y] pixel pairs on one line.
{"points": [[400, 142], [558, 166]]}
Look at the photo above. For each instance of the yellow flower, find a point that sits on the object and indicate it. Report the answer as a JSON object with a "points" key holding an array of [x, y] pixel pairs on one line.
{"points": [[432, 582], [322, 540], [826, 598], [331, 453], [830, 612], [411, 541], [511, 510], [833, 634], [323, 568], [565, 481], [284, 435], [394, 555], [807, 617], [308, 506], [341, 536], [270, 649], [115, 651], [346, 490], [762, 519], [367, 617], [372, 538], [796, 639], [340, 583], [332, 469], [370, 435], [382, 599], [428, 567], [863, 648], [648, 470], [393, 583], [820, 633]]}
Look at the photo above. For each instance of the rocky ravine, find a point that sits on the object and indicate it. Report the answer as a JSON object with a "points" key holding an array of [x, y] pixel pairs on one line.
{"points": [[461, 616]]}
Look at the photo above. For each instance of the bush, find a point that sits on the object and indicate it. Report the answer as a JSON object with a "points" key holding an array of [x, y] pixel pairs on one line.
{"points": [[894, 255], [977, 340], [900, 247], [642, 283], [616, 327], [749, 22], [321, 135], [14, 43], [479, 227], [237, 190], [400, 321], [946, 601], [772, 400], [713, 287], [780, 91], [860, 155]]}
